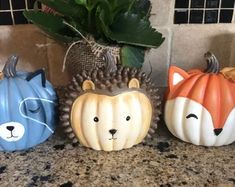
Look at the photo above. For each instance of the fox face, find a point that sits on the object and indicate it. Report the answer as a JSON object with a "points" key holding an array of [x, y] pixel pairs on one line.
{"points": [[200, 107]]}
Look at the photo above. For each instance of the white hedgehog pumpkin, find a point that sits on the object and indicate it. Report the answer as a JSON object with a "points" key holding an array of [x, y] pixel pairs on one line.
{"points": [[109, 112]]}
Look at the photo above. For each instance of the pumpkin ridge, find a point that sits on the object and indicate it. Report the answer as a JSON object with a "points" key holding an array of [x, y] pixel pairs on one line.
{"points": [[180, 89], [44, 112], [203, 101], [185, 107], [26, 134], [44, 93], [84, 138], [97, 127], [212, 99], [139, 134], [199, 83]]}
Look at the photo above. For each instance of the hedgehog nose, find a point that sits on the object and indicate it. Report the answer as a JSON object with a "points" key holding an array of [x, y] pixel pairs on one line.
{"points": [[10, 128], [217, 131], [112, 131]]}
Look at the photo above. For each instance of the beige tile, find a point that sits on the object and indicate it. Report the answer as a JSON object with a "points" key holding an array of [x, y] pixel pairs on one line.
{"points": [[159, 59], [162, 12], [56, 54], [26, 41], [191, 42]]}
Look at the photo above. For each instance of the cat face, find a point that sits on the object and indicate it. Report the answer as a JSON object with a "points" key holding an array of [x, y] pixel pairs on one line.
{"points": [[28, 112]]}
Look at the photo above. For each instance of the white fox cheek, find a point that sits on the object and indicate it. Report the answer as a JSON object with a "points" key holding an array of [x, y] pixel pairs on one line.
{"points": [[197, 131], [227, 136]]}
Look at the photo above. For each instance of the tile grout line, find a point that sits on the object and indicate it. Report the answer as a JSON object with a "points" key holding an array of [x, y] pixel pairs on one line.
{"points": [[189, 10], [11, 10], [204, 12], [233, 18], [184, 9], [219, 10]]}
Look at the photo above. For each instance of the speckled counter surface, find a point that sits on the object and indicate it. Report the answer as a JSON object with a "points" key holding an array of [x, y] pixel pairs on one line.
{"points": [[164, 161]]}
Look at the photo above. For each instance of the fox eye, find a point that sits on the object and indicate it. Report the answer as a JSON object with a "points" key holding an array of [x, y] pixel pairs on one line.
{"points": [[191, 116]]}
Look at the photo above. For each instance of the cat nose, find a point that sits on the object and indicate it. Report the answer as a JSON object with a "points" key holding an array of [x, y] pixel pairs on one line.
{"points": [[10, 128], [112, 131], [217, 131]]}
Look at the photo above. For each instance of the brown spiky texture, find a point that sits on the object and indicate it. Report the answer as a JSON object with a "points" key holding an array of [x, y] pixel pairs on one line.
{"points": [[106, 81]]}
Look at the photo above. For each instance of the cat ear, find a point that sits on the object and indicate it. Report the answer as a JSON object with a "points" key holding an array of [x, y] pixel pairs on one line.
{"points": [[38, 77], [176, 75]]}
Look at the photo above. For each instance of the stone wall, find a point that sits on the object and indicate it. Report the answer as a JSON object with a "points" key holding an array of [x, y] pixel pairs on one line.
{"points": [[184, 46]]}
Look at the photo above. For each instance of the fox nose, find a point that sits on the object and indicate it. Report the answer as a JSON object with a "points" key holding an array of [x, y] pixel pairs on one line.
{"points": [[217, 131], [10, 128], [112, 131]]}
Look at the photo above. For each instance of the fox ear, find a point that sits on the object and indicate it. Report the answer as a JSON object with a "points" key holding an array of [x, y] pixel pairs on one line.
{"points": [[175, 76]]}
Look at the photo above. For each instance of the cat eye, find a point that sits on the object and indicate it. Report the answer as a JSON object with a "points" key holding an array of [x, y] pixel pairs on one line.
{"points": [[34, 111], [191, 116], [96, 119]]}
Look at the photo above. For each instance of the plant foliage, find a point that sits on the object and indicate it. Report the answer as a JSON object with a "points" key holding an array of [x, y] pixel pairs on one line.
{"points": [[112, 22]]}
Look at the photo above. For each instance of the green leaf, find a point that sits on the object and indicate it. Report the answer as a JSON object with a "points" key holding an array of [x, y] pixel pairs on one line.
{"points": [[52, 25], [142, 8], [67, 8], [103, 25], [81, 2], [132, 56], [131, 29], [120, 5]]}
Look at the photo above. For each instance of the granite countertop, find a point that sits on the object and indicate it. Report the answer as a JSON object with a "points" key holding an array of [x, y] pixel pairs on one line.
{"points": [[163, 161]]}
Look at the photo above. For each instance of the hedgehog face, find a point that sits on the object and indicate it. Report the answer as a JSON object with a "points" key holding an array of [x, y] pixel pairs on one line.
{"points": [[108, 120], [111, 122]]}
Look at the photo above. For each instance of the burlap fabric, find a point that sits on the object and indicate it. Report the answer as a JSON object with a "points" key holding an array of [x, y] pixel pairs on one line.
{"points": [[85, 56]]}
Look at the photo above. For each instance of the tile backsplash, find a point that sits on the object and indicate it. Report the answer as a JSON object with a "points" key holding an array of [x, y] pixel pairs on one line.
{"points": [[184, 46]]}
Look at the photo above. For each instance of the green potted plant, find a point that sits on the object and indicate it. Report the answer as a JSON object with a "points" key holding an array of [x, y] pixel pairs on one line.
{"points": [[122, 25]]}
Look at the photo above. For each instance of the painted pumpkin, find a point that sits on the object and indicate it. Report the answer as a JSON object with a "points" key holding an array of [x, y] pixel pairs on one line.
{"points": [[200, 106], [27, 107], [110, 110]]}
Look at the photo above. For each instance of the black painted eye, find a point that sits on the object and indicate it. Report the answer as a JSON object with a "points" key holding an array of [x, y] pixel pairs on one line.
{"points": [[191, 116], [96, 119], [34, 110], [128, 118]]}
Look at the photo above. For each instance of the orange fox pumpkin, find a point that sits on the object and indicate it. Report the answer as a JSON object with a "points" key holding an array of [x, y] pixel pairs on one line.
{"points": [[200, 106]]}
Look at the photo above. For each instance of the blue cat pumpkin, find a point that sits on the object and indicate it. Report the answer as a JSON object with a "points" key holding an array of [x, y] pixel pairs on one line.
{"points": [[27, 108]]}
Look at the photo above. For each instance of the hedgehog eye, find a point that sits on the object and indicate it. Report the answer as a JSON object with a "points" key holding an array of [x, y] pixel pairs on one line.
{"points": [[96, 119], [128, 118], [191, 116]]}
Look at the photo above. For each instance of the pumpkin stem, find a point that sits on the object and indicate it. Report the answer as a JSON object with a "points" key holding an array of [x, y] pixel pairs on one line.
{"points": [[9, 69], [110, 62], [212, 63]]}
